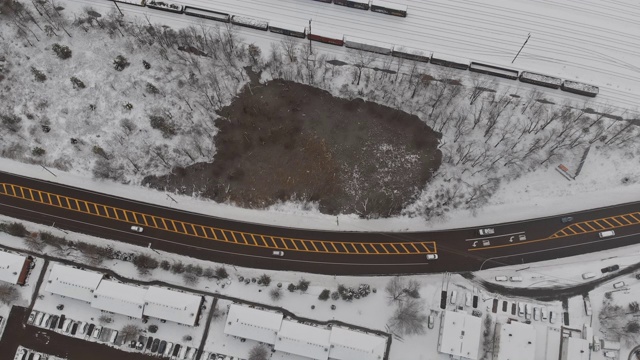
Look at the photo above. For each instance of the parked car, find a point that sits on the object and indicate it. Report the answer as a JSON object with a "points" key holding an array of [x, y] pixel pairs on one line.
{"points": [[516, 278], [162, 347], [610, 268], [114, 335], [521, 309], [536, 313], [137, 229], [90, 329], [61, 322], [167, 352], [154, 346], [45, 320], [176, 350], [610, 354], [74, 328], [431, 321], [32, 317], [96, 332], [566, 219], [486, 231], [618, 285], [149, 343], [543, 313], [501, 278], [588, 275], [552, 317], [277, 253], [191, 353], [66, 326], [54, 322], [39, 318]]}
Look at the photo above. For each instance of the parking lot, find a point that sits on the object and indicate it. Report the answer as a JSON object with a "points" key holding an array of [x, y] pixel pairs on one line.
{"points": [[50, 342]]}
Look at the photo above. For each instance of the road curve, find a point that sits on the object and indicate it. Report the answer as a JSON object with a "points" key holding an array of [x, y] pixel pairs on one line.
{"points": [[325, 252]]}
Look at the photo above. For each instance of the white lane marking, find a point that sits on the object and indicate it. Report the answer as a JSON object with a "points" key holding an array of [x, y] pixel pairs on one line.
{"points": [[204, 248], [494, 236], [561, 247]]}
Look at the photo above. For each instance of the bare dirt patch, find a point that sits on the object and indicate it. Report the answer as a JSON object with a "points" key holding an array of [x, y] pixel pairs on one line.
{"points": [[288, 141]]}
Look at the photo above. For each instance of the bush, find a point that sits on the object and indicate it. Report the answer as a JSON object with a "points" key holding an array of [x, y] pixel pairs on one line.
{"points": [[38, 151], [11, 122], [77, 83], [145, 263], [303, 285], [209, 273], [39, 75], [275, 294], [152, 89], [100, 152], [324, 295], [8, 294], [335, 295], [190, 278], [14, 228], [194, 269], [120, 63], [167, 128], [62, 51], [221, 272], [177, 268], [265, 279], [165, 265], [291, 287], [153, 329], [130, 331], [55, 241]]}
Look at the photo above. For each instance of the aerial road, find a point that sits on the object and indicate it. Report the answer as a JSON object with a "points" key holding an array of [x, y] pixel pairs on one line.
{"points": [[325, 252]]}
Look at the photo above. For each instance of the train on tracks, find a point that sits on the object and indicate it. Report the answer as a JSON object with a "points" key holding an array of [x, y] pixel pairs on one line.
{"points": [[336, 38]]}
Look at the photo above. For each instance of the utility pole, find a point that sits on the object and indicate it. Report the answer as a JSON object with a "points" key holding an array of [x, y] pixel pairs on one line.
{"points": [[310, 50], [525, 43], [118, 7]]}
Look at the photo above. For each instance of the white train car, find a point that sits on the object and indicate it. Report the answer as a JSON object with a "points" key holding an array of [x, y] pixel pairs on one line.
{"points": [[580, 88], [207, 14], [411, 54], [450, 61], [368, 45], [493, 70], [389, 8], [540, 79], [250, 22], [287, 29]]}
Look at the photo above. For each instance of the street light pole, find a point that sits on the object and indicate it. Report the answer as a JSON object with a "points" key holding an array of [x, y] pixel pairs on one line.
{"points": [[522, 47], [310, 50]]}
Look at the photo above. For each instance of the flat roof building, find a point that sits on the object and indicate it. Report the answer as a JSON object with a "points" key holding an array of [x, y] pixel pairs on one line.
{"points": [[73, 283], [119, 298], [172, 305], [304, 340], [574, 348], [515, 341], [254, 324], [14, 268], [346, 344], [460, 335]]}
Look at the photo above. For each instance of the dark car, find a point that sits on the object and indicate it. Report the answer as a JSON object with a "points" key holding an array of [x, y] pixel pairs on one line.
{"points": [[61, 322], [610, 268], [90, 329], [638, 277], [154, 346], [54, 322], [176, 349], [162, 347], [74, 328], [566, 219], [31, 355], [149, 342]]}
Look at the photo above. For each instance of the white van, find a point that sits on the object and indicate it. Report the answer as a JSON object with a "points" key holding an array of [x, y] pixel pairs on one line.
{"points": [[520, 309], [468, 299], [516, 278], [501, 278], [606, 234], [454, 296], [618, 285], [527, 311], [588, 275]]}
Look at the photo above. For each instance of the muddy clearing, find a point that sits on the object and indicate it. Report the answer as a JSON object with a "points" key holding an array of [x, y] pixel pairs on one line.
{"points": [[288, 141]]}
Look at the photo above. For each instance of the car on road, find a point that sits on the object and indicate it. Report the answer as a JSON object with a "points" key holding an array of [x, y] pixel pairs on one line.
{"points": [[486, 242], [137, 229], [610, 268], [432, 256], [486, 231], [277, 253], [566, 219], [606, 234]]}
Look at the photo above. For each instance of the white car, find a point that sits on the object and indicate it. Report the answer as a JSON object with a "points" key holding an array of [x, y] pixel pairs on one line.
{"points": [[39, 319], [137, 229], [486, 231], [536, 313], [610, 354], [552, 317], [277, 253], [432, 256]]}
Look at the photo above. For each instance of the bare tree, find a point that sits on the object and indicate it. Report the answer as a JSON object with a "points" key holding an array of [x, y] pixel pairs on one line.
{"points": [[361, 60], [409, 318], [8, 294], [395, 289], [289, 46], [130, 332]]}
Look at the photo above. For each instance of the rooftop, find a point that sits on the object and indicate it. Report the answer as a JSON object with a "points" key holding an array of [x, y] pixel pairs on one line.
{"points": [[73, 283], [349, 344], [172, 305], [517, 341], [305, 340], [254, 324], [11, 266], [460, 335], [119, 298]]}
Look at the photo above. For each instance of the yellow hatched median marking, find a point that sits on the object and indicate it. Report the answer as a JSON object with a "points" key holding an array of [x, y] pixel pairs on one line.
{"points": [[65, 202]]}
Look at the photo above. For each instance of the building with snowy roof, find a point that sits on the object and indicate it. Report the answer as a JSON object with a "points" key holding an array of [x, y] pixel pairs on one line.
{"points": [[172, 305], [14, 268], [516, 341], [303, 340], [346, 344], [119, 298], [574, 348], [254, 324], [460, 335], [73, 283]]}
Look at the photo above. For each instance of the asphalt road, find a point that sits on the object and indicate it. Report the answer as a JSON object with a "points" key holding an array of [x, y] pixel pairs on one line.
{"points": [[458, 250]]}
